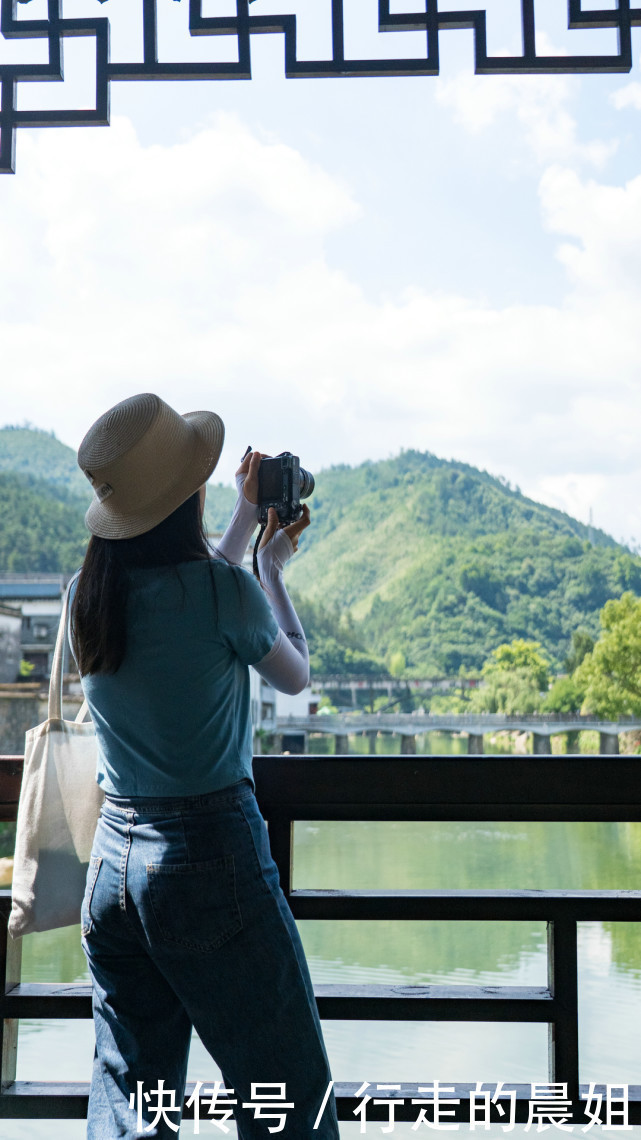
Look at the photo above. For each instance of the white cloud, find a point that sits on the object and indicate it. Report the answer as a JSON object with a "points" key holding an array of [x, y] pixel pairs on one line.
{"points": [[539, 106], [199, 270], [628, 96], [134, 266], [590, 496], [605, 222]]}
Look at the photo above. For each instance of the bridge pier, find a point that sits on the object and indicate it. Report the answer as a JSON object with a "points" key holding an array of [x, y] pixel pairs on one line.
{"points": [[473, 726], [540, 744]]}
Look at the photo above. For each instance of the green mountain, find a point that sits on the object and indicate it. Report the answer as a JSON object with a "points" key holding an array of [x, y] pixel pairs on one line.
{"points": [[443, 562], [30, 451], [219, 505], [43, 499], [418, 556], [41, 526]]}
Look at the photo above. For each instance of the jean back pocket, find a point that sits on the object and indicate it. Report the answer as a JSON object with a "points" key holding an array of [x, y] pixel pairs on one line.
{"points": [[194, 904]]}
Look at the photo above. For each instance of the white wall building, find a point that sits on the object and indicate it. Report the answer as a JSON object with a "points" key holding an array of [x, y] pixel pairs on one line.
{"points": [[302, 704], [10, 653], [38, 599]]}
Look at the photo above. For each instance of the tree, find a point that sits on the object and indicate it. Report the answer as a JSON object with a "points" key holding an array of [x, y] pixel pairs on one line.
{"points": [[514, 676], [520, 655], [582, 644], [514, 692], [329, 657], [611, 673], [25, 670], [335, 646], [397, 664], [565, 696]]}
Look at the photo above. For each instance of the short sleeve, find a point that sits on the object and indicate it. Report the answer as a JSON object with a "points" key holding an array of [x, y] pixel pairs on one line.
{"points": [[245, 619]]}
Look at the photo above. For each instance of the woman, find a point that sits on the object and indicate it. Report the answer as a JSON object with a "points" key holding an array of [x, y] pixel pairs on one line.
{"points": [[184, 923]]}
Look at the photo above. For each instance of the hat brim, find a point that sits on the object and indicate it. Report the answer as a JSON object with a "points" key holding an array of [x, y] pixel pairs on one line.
{"points": [[207, 437]]}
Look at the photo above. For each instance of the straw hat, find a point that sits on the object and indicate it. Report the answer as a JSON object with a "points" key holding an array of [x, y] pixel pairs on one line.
{"points": [[143, 461]]}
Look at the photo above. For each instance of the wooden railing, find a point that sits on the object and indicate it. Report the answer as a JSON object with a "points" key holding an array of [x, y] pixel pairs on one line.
{"points": [[573, 788]]}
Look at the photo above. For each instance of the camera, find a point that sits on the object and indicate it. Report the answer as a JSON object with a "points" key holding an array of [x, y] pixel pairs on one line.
{"points": [[282, 483]]}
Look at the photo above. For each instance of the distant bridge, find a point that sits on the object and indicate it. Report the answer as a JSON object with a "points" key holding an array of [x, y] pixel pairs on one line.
{"points": [[474, 725], [364, 681]]}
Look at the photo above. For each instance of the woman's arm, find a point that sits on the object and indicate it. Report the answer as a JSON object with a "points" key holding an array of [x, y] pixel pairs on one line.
{"points": [[242, 525], [286, 666]]}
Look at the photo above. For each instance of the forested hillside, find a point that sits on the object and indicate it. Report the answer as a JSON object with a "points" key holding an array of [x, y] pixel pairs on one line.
{"points": [[431, 560], [43, 499], [29, 451], [41, 526], [442, 562]]}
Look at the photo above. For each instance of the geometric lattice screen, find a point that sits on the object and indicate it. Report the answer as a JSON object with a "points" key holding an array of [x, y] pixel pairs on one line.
{"points": [[240, 25]]}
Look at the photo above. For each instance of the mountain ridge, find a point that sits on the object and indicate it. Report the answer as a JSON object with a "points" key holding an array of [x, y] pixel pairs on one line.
{"points": [[431, 558], [38, 454], [442, 562]]}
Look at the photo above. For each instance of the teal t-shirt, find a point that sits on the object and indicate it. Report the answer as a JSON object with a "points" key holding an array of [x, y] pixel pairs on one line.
{"points": [[174, 720]]}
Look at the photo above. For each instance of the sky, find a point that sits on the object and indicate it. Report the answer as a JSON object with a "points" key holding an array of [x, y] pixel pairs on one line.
{"points": [[342, 268]]}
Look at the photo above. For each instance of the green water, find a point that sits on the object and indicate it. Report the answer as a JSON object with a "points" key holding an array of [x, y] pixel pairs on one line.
{"points": [[419, 855]]}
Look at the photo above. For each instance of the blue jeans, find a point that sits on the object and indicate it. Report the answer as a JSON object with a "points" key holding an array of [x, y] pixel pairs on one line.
{"points": [[184, 924]]}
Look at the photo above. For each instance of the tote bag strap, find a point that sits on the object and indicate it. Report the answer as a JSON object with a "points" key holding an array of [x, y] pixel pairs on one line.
{"points": [[55, 682], [82, 712]]}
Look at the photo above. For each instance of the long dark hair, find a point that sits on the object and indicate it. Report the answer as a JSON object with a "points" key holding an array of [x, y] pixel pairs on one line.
{"points": [[98, 614]]}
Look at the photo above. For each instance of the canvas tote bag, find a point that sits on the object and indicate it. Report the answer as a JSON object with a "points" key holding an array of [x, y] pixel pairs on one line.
{"points": [[57, 813]]}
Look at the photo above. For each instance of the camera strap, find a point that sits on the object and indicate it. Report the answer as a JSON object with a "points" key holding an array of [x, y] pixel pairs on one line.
{"points": [[255, 557]]}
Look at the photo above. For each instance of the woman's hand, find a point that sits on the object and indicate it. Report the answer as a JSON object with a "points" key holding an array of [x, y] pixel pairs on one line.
{"points": [[293, 531], [247, 475]]}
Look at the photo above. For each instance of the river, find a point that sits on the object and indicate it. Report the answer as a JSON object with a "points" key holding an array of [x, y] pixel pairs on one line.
{"points": [[418, 855]]}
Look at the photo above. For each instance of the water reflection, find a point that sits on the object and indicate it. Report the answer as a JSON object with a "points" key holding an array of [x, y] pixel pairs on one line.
{"points": [[504, 855]]}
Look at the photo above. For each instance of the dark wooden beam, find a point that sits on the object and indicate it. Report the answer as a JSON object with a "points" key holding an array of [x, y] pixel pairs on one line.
{"points": [[468, 906]]}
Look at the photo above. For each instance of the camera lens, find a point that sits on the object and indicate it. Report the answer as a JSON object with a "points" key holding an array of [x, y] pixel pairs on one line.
{"points": [[306, 483]]}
